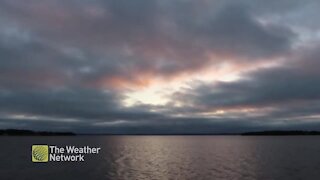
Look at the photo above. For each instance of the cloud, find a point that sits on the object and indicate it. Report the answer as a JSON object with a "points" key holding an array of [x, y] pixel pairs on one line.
{"points": [[120, 38], [290, 90], [69, 64], [234, 31]]}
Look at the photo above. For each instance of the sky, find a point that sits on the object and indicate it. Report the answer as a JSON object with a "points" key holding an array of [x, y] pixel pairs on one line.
{"points": [[160, 66]]}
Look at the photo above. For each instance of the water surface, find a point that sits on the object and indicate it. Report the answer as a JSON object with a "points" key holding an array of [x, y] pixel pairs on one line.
{"points": [[168, 157]]}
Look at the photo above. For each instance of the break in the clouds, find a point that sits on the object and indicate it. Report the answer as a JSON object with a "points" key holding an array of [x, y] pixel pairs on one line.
{"points": [[149, 66]]}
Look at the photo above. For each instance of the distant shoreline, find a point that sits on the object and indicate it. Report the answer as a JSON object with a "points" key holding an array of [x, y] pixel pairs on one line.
{"points": [[19, 132], [282, 133]]}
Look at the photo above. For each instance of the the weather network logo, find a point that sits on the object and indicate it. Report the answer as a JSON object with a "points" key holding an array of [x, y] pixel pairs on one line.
{"points": [[40, 153], [53, 153]]}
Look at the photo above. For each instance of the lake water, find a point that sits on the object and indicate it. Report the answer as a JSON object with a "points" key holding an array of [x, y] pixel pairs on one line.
{"points": [[168, 157]]}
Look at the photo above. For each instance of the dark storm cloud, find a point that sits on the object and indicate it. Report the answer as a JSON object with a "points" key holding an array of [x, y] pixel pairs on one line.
{"points": [[264, 88], [234, 31], [167, 126], [66, 64], [77, 103], [97, 42], [149, 36], [292, 88]]}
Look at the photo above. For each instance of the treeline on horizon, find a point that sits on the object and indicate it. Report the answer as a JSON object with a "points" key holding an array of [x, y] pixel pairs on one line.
{"points": [[18, 132], [280, 133]]}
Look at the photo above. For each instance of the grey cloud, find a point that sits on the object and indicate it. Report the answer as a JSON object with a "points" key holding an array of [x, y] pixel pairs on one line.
{"points": [[293, 85], [76, 103], [53, 52], [159, 37], [235, 31], [166, 126]]}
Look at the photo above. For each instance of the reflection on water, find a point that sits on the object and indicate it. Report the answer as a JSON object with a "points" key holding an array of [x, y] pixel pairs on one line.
{"points": [[169, 157], [187, 157]]}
